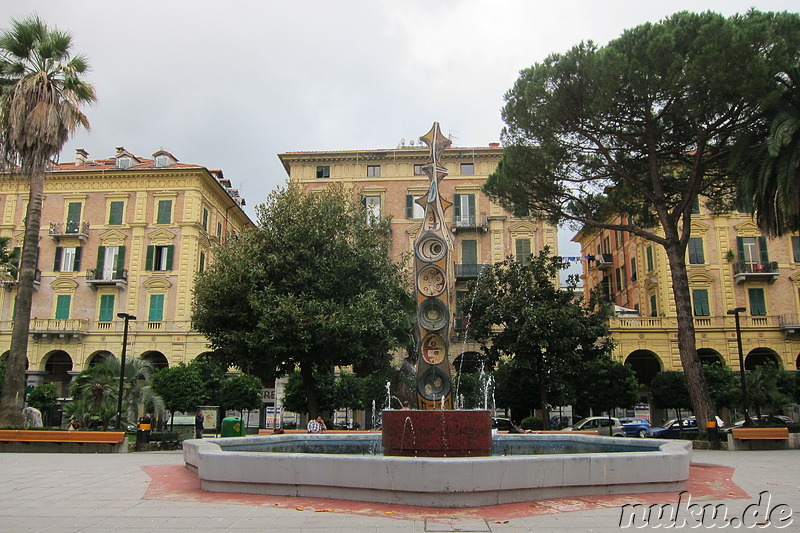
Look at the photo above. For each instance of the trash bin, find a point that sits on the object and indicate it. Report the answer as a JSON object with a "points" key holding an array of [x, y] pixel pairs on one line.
{"points": [[232, 427]]}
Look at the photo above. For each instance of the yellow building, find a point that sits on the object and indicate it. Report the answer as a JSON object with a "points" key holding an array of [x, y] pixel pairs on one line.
{"points": [[730, 265], [388, 181], [119, 235]]}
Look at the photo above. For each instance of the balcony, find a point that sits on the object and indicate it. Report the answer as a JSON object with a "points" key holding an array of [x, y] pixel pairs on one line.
{"points": [[53, 329], [59, 231], [604, 261], [790, 325], [117, 278], [465, 272], [8, 279], [461, 323], [743, 271], [462, 222]]}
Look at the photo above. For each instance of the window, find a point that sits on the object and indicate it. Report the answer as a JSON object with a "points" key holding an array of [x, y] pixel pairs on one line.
{"points": [[159, 258], [202, 263], [373, 171], [110, 262], [622, 278], [634, 274], [161, 161], [653, 305], [649, 254], [758, 305], [418, 170], [62, 306], [752, 251], [464, 210], [219, 230], [413, 209], [469, 252], [372, 206], [700, 302], [205, 219], [67, 259], [606, 244], [164, 212], [106, 313], [619, 238], [124, 162], [323, 172], [74, 217], [115, 213], [467, 169], [522, 248], [796, 249], [156, 310], [695, 248]]}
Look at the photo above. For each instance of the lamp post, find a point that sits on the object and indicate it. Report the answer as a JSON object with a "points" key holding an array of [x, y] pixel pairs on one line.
{"points": [[745, 402], [126, 317]]}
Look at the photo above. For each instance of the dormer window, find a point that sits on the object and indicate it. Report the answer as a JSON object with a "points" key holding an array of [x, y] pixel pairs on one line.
{"points": [[124, 162], [161, 161]]}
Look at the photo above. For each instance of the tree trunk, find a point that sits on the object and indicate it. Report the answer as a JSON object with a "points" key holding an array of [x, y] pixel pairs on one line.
{"points": [[13, 399], [306, 372], [543, 393], [692, 368]]}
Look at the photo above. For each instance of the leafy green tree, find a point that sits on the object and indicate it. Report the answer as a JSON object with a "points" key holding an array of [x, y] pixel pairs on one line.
{"points": [[519, 311], [3, 360], [180, 388], [643, 128], [212, 374], [762, 389], [241, 393], [515, 387], [608, 384], [768, 161], [348, 392], [723, 386], [43, 397], [294, 395], [471, 388], [669, 391], [41, 92], [312, 288]]}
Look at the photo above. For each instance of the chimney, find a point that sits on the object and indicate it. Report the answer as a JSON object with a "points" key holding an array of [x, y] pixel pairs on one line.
{"points": [[494, 145], [120, 149], [80, 157]]}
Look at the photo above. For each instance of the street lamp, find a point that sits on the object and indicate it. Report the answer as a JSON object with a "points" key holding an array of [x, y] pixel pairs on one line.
{"points": [[745, 403], [126, 317]]}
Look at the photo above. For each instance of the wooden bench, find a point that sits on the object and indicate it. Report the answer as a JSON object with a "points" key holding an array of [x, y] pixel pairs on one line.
{"points": [[760, 433], [80, 437]]}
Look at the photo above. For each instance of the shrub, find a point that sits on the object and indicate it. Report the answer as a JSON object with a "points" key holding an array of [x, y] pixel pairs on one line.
{"points": [[532, 422]]}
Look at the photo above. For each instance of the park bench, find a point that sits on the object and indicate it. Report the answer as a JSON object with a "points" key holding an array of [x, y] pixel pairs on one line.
{"points": [[760, 433], [77, 437]]}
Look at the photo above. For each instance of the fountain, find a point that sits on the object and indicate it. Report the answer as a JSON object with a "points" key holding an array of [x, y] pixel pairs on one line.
{"points": [[436, 456]]}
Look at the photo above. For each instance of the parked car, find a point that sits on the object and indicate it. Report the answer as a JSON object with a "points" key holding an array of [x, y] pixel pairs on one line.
{"points": [[635, 427], [602, 424], [501, 424], [671, 429], [765, 420]]}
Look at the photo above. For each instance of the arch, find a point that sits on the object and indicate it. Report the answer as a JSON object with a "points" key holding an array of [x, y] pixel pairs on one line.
{"points": [[709, 356], [797, 362], [759, 356], [645, 364], [156, 358], [469, 363], [98, 357], [4, 357], [57, 366]]}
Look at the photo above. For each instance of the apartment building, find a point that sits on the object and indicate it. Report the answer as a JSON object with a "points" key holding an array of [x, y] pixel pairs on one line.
{"points": [[124, 234], [388, 181], [730, 265]]}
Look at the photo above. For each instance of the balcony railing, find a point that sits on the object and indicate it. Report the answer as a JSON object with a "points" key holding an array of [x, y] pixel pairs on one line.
{"points": [[9, 279], [470, 271], [55, 328], [700, 322], [470, 222], [790, 325], [95, 277], [603, 261], [60, 230], [743, 271]]}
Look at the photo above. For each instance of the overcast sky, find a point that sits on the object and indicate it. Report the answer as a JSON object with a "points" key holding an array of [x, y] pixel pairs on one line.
{"points": [[230, 84]]}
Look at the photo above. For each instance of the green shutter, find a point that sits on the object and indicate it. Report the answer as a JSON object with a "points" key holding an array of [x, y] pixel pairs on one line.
{"points": [[170, 254], [762, 248], [62, 306], [120, 266], [164, 212], [148, 262], [205, 219], [469, 252], [106, 308], [471, 205], [156, 312], [650, 264], [700, 301], [457, 205], [740, 247], [758, 306], [76, 265], [202, 266], [115, 213], [101, 256], [57, 262], [696, 256], [523, 250], [409, 206], [73, 217]]}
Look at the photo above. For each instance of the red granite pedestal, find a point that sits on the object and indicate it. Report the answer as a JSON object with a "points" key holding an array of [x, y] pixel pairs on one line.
{"points": [[437, 433]]}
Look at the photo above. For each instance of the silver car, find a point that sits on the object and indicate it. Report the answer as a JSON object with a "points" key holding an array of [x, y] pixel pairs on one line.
{"points": [[602, 424]]}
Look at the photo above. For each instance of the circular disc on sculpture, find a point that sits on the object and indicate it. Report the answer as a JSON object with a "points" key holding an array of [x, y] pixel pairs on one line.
{"points": [[431, 248], [431, 281], [434, 384], [432, 315], [434, 349]]}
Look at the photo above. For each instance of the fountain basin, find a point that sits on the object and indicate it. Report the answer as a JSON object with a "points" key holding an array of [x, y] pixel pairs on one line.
{"points": [[414, 433], [611, 466]]}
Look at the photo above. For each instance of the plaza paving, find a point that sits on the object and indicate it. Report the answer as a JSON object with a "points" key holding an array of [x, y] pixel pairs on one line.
{"points": [[153, 492]]}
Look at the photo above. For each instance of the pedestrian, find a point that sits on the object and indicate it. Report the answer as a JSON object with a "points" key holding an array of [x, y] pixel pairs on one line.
{"points": [[143, 430], [316, 425], [199, 420]]}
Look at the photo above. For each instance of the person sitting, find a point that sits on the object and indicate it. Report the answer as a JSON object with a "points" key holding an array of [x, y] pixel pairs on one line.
{"points": [[316, 425]]}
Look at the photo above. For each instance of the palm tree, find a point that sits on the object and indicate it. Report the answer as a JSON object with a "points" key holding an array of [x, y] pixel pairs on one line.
{"points": [[770, 167], [40, 96]]}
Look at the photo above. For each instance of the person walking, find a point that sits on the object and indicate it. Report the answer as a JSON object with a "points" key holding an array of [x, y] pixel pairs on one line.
{"points": [[199, 420]]}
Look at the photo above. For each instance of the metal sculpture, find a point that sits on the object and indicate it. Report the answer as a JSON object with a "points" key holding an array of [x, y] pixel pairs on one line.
{"points": [[434, 281]]}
